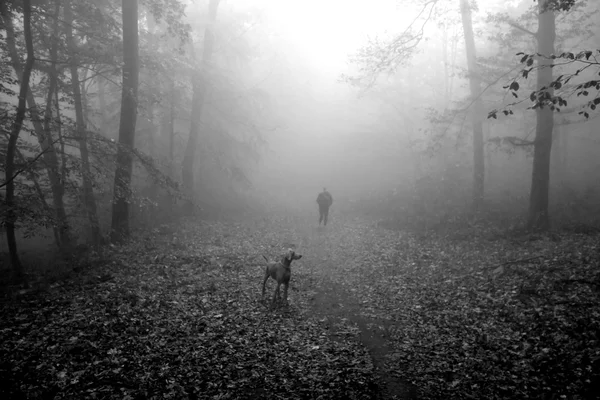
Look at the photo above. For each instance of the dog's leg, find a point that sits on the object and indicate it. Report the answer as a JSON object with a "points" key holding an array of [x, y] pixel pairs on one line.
{"points": [[265, 282], [276, 294], [285, 289]]}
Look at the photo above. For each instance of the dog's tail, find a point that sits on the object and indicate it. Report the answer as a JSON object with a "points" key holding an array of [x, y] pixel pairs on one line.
{"points": [[266, 259]]}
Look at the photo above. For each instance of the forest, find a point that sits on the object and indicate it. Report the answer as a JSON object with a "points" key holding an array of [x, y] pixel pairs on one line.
{"points": [[422, 175]]}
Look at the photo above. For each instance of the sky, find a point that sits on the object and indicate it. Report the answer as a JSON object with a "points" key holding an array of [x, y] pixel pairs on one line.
{"points": [[326, 31]]}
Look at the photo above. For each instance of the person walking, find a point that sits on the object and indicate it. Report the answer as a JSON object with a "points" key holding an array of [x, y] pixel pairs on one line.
{"points": [[324, 200]]}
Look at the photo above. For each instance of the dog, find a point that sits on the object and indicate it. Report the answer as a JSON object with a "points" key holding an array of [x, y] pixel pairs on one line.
{"points": [[281, 272]]}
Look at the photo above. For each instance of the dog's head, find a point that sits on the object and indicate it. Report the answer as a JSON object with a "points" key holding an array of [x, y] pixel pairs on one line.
{"points": [[291, 255]]}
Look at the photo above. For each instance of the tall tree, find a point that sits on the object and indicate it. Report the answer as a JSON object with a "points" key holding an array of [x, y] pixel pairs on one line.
{"points": [[122, 183], [477, 110], [15, 131], [540, 178], [61, 229], [43, 135], [199, 88], [81, 131]]}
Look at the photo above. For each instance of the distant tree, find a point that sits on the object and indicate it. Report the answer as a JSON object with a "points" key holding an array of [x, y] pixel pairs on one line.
{"points": [[380, 57], [476, 113], [11, 150], [199, 90], [120, 210]]}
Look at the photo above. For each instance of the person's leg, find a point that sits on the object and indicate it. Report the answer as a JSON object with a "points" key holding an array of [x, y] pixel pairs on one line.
{"points": [[326, 213], [320, 215]]}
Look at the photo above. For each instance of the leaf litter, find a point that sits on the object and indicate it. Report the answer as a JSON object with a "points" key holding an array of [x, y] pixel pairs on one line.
{"points": [[177, 314]]}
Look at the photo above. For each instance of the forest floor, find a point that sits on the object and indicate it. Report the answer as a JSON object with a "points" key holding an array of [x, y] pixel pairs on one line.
{"points": [[374, 314]]}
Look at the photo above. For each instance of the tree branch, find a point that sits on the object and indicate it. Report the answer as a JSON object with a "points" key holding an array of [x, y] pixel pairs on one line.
{"points": [[520, 28], [25, 168]]}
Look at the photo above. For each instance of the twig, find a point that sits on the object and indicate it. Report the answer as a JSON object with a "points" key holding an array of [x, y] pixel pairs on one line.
{"points": [[25, 168]]}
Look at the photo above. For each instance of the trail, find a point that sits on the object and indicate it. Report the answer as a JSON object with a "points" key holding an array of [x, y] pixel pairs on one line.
{"points": [[330, 257]]}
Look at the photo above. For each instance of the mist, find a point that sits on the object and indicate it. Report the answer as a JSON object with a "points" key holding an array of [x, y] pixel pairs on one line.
{"points": [[276, 199]]}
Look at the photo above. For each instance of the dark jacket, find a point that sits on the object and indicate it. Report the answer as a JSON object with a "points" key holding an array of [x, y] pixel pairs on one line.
{"points": [[324, 199]]}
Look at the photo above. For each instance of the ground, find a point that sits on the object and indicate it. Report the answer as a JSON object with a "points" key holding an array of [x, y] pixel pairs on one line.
{"points": [[374, 313]]}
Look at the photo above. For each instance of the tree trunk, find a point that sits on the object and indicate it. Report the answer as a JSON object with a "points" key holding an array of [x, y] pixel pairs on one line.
{"points": [[101, 83], [43, 135], [151, 129], [61, 228], [540, 179], [15, 131], [61, 141], [81, 132], [477, 110], [199, 87], [122, 184], [172, 130]]}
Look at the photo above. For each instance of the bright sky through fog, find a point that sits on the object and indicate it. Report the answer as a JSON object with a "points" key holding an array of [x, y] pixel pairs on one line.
{"points": [[326, 31]]}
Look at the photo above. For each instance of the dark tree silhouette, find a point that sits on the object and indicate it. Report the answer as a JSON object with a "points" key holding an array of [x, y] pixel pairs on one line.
{"points": [[122, 184]]}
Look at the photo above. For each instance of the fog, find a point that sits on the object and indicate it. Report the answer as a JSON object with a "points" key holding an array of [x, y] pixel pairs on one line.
{"points": [[409, 132], [422, 175]]}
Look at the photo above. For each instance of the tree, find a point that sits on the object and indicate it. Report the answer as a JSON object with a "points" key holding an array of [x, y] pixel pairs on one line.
{"points": [[61, 230], [477, 112], [14, 134], [81, 130], [43, 133], [199, 88], [540, 178], [122, 183], [545, 102]]}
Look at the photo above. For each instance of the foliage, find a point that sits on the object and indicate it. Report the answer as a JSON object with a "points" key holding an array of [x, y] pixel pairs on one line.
{"points": [[546, 97]]}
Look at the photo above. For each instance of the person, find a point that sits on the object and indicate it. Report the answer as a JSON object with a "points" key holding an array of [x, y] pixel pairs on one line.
{"points": [[324, 200]]}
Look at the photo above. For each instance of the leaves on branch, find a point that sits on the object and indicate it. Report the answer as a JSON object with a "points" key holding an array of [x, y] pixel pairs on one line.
{"points": [[546, 97]]}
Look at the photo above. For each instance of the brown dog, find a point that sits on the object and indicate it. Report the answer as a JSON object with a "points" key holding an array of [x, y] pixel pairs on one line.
{"points": [[281, 272]]}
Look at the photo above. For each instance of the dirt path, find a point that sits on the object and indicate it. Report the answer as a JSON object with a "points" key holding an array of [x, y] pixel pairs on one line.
{"points": [[340, 309]]}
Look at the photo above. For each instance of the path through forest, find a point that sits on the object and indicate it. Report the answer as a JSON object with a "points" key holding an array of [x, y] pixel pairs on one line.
{"points": [[335, 262]]}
